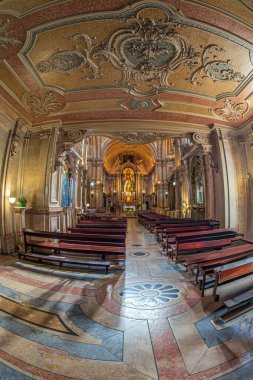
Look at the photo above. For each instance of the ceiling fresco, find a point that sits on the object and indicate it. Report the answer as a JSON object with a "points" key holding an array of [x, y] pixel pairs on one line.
{"points": [[174, 62]]}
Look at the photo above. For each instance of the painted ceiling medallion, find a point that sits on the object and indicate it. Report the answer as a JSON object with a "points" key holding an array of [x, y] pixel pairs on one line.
{"points": [[140, 137], [231, 111], [43, 104]]}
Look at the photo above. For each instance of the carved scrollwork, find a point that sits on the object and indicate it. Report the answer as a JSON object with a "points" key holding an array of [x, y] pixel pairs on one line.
{"points": [[145, 51], [200, 138], [140, 137], [6, 37], [217, 70], [43, 104], [149, 50], [67, 139], [67, 61], [231, 111]]}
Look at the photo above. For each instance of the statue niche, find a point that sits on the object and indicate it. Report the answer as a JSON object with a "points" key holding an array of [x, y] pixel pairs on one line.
{"points": [[128, 184]]}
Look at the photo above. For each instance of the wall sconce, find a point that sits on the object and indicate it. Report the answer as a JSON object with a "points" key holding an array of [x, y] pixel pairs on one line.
{"points": [[143, 192], [174, 183], [92, 193], [114, 192], [92, 183], [87, 205], [184, 204], [166, 193], [12, 200]]}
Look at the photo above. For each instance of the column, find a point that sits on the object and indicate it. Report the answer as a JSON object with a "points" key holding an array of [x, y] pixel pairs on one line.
{"points": [[228, 173]]}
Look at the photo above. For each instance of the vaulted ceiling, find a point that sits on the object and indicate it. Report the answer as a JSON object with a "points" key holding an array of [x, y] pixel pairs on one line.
{"points": [[122, 65]]}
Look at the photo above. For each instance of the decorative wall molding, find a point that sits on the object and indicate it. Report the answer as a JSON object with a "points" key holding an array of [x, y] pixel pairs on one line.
{"points": [[140, 137]]}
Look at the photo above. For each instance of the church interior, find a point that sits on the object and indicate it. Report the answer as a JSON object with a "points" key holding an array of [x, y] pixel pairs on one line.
{"points": [[126, 166]]}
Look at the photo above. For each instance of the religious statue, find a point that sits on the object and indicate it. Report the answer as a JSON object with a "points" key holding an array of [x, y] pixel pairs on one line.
{"points": [[128, 181]]}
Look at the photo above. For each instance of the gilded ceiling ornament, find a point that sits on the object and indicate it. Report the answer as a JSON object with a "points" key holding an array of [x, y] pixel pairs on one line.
{"points": [[42, 105], [140, 137], [6, 37], [231, 111], [214, 68]]}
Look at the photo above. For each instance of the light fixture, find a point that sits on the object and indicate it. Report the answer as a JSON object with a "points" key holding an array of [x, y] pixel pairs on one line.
{"points": [[12, 200], [92, 183], [166, 193], [143, 191], [92, 193], [87, 205], [115, 191], [174, 183]]}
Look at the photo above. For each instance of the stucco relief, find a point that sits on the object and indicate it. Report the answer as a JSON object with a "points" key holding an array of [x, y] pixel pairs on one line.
{"points": [[231, 111], [214, 68], [43, 104], [146, 51], [140, 137], [12, 35]]}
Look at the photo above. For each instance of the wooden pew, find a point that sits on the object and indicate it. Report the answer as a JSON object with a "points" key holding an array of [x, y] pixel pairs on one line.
{"points": [[190, 247], [98, 231], [223, 276], [206, 262], [93, 242], [90, 239], [171, 233], [65, 260], [91, 248], [163, 229], [101, 250], [195, 236], [101, 225]]}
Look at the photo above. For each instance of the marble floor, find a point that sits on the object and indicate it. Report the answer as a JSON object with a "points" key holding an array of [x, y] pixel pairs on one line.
{"points": [[147, 322]]}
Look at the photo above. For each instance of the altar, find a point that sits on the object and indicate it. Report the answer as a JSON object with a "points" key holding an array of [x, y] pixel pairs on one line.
{"points": [[129, 208]]}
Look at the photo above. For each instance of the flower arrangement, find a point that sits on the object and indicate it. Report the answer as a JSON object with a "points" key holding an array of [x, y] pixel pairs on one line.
{"points": [[22, 202]]}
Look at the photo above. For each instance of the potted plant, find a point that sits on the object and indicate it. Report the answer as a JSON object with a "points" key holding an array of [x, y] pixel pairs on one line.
{"points": [[22, 202]]}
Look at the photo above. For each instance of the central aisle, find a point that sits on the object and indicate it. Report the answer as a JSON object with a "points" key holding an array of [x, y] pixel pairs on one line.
{"points": [[147, 322]]}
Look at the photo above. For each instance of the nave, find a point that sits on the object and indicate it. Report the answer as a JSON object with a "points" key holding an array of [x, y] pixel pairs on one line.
{"points": [[147, 322]]}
